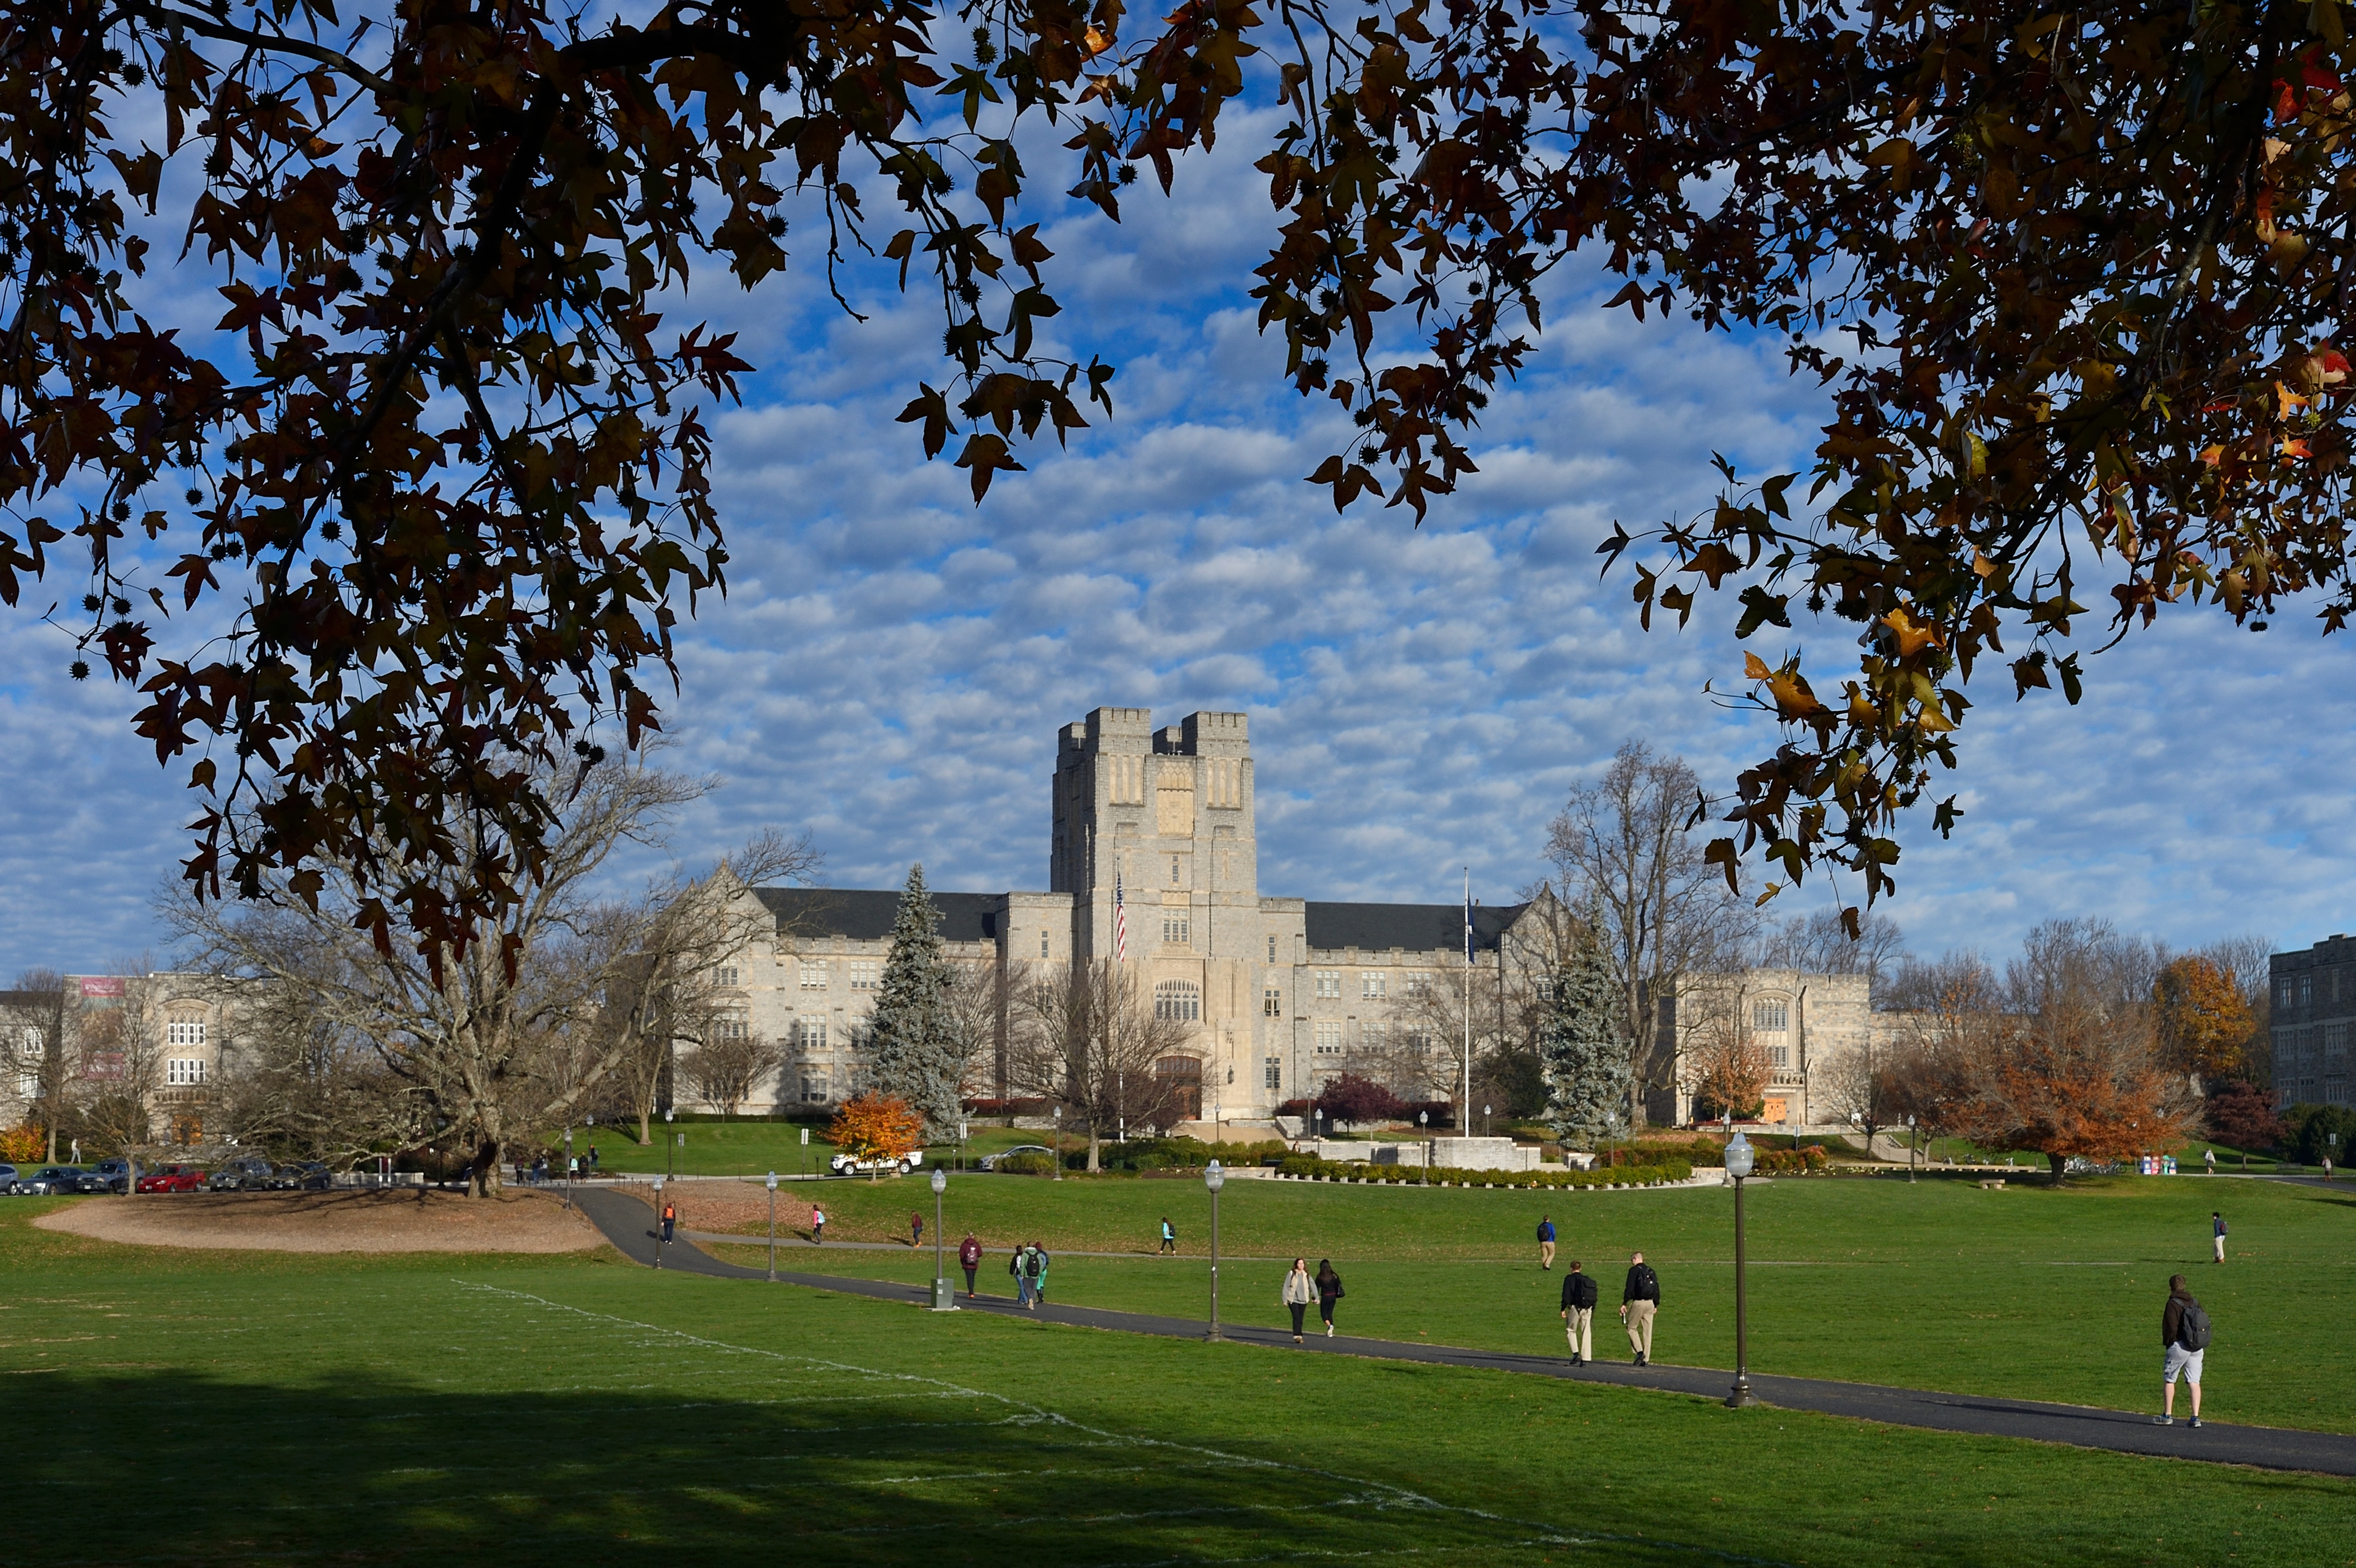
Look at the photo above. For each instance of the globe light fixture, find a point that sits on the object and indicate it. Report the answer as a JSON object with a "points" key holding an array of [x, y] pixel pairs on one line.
{"points": [[659, 1235], [772, 1227], [1214, 1177], [1741, 1160]]}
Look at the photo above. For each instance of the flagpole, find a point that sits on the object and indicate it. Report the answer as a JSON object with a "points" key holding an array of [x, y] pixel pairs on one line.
{"points": [[1464, 1106]]}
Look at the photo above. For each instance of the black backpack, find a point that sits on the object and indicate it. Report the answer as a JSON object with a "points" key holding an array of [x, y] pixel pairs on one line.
{"points": [[2192, 1328]]}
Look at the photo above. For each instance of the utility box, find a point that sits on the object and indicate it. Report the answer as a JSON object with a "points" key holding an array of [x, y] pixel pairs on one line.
{"points": [[944, 1297]]}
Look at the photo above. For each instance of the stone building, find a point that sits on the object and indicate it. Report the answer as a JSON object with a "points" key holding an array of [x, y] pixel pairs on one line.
{"points": [[2314, 1007], [1808, 1027], [1152, 862], [159, 1037]]}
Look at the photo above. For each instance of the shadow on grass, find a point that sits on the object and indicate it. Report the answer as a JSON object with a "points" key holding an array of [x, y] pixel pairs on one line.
{"points": [[164, 1467]]}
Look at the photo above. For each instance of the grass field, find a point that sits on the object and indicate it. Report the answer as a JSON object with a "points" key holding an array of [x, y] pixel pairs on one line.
{"points": [[2029, 1292], [189, 1407]]}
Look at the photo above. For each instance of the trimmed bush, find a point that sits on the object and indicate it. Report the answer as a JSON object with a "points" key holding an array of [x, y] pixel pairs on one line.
{"points": [[1309, 1166], [1025, 1163]]}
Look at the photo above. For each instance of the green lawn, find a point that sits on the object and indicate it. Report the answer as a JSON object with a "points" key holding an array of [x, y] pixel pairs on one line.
{"points": [[2029, 1292], [755, 1148], [178, 1407]]}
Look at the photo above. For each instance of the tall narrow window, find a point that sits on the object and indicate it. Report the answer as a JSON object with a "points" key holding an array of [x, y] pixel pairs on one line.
{"points": [[1271, 949], [1271, 1003], [1173, 871], [1042, 945], [1178, 1001], [1770, 1017], [728, 975], [1275, 1071]]}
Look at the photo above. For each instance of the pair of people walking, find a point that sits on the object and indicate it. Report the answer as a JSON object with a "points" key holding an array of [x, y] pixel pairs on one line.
{"points": [[1300, 1289], [1029, 1267], [1640, 1299]]}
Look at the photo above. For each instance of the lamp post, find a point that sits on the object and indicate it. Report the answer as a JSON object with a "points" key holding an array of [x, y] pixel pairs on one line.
{"points": [[944, 1298], [659, 1229], [1484, 1121], [772, 1227], [1910, 1151], [1738, 1163], [1059, 1143], [568, 1167], [1421, 1118], [1214, 1177], [961, 1138], [671, 1145]]}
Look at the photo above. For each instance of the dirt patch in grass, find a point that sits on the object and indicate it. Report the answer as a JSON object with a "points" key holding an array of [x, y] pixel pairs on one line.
{"points": [[365, 1221]]}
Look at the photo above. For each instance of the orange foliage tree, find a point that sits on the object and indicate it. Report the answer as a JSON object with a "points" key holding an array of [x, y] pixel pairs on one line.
{"points": [[877, 1127], [2205, 1022], [25, 1144], [2071, 1080]]}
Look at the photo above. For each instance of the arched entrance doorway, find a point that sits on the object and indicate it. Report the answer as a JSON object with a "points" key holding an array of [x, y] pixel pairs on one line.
{"points": [[1180, 1079]]}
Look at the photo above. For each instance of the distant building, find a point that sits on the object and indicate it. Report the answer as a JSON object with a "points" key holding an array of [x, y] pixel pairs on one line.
{"points": [[1808, 1027], [2314, 1006], [1154, 830], [156, 1037]]}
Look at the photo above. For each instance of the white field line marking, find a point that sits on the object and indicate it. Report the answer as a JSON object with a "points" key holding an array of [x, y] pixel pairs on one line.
{"points": [[1396, 1496]]}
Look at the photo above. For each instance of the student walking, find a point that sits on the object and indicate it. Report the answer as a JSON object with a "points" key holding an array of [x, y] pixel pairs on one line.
{"points": [[1579, 1298], [915, 1228], [1019, 1265], [593, 1159], [2217, 1235], [1038, 1274], [2184, 1339], [968, 1259], [1298, 1293], [1169, 1235], [2209, 1158], [1546, 1241], [671, 1221], [817, 1226], [1640, 1298], [1329, 1291]]}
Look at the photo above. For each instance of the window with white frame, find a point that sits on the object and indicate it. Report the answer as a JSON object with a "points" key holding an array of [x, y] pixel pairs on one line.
{"points": [[1180, 1000], [1419, 986], [814, 974], [1419, 1041], [867, 974], [1275, 1065], [810, 1034], [1042, 945], [1176, 928], [729, 975], [183, 1072], [1374, 986], [1329, 1039], [1375, 1035], [1271, 949], [813, 1088], [2305, 991], [733, 1026], [184, 1033], [1779, 1057], [1328, 983], [1771, 1017], [1271, 1003]]}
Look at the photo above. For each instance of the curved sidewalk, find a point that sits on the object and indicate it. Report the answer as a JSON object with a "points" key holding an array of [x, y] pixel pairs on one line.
{"points": [[628, 1224]]}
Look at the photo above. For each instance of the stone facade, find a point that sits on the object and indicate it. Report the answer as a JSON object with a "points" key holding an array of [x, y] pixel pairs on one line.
{"points": [[2314, 1009], [1806, 1026], [1155, 828], [159, 1035]]}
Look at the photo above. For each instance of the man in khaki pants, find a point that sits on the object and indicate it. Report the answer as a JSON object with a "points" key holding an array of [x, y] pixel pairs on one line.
{"points": [[1639, 1299], [1579, 1294]]}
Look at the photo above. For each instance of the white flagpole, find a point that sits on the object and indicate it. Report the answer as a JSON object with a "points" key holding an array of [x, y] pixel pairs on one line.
{"points": [[1465, 1107]]}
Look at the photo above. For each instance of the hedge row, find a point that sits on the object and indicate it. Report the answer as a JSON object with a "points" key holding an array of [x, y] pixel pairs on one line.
{"points": [[1310, 1167]]}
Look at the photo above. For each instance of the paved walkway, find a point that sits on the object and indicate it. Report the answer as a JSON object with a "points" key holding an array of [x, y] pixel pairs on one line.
{"points": [[628, 1224]]}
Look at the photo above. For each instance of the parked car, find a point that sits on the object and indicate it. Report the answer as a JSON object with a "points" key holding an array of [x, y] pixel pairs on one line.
{"points": [[173, 1178], [52, 1181], [990, 1161], [844, 1165], [7, 1177], [116, 1173], [247, 1174], [307, 1176]]}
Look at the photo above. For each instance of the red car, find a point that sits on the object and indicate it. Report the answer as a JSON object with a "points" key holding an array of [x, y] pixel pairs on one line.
{"points": [[173, 1179]]}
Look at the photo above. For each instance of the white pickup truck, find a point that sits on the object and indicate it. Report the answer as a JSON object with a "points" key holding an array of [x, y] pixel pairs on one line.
{"points": [[845, 1165]]}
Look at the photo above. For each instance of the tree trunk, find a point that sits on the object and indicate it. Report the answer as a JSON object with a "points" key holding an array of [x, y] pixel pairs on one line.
{"points": [[645, 1126], [485, 1168], [2061, 1164], [1093, 1144]]}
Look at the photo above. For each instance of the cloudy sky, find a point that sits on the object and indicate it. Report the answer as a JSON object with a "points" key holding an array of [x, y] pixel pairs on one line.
{"points": [[891, 663]]}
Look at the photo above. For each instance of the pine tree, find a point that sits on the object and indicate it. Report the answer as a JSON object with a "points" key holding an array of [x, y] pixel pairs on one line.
{"points": [[1586, 1055], [913, 1054]]}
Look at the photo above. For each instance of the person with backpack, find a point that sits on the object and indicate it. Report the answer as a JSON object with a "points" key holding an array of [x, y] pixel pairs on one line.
{"points": [[1019, 1265], [817, 1226], [2217, 1235], [1169, 1235], [1579, 1298], [1038, 1275], [1546, 1241], [915, 1228], [1329, 1291], [1640, 1298], [1298, 1293], [969, 1258], [671, 1221], [2184, 1336]]}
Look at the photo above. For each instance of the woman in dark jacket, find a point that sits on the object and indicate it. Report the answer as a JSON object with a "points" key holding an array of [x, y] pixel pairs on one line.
{"points": [[1329, 1291]]}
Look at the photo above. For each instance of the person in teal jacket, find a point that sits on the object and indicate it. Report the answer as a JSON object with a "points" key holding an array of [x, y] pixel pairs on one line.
{"points": [[1039, 1275]]}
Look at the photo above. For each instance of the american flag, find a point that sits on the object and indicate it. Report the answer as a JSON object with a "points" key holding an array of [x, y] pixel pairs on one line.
{"points": [[1120, 920]]}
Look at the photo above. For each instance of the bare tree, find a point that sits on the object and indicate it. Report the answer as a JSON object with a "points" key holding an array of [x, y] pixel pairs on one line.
{"points": [[486, 1041], [726, 1068], [298, 1082], [1818, 944], [975, 1007], [1088, 1036], [32, 1035], [1626, 843]]}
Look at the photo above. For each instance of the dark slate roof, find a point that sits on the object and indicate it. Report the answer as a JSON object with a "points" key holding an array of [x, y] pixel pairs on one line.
{"points": [[1414, 928], [865, 914]]}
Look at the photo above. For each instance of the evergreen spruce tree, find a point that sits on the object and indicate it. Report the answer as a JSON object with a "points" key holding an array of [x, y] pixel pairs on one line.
{"points": [[912, 1051], [1585, 1052]]}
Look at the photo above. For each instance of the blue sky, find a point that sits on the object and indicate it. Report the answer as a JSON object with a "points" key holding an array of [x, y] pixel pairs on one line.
{"points": [[891, 663]]}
